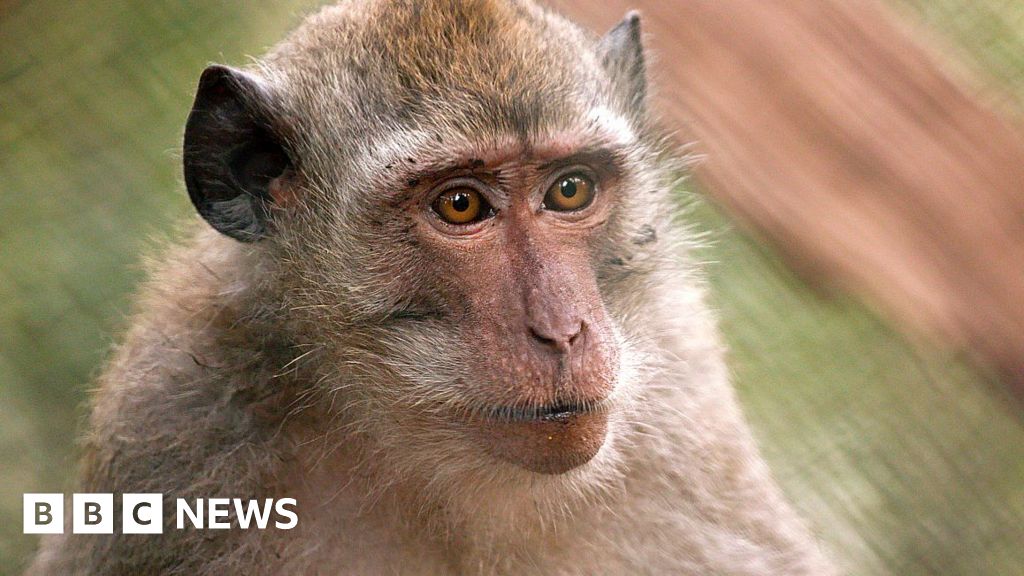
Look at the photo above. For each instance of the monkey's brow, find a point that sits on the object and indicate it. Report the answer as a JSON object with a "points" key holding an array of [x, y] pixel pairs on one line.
{"points": [[600, 156], [610, 158]]}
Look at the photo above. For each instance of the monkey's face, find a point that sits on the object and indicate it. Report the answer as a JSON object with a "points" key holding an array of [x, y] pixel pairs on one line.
{"points": [[479, 277], [450, 223], [506, 243]]}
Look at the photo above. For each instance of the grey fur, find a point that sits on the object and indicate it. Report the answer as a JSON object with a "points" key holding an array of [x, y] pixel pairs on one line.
{"points": [[313, 364]]}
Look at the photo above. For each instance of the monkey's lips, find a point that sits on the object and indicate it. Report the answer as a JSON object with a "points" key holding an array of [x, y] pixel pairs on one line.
{"points": [[549, 439]]}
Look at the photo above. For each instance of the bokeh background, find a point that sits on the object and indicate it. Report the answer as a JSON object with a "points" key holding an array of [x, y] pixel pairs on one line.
{"points": [[904, 452]]}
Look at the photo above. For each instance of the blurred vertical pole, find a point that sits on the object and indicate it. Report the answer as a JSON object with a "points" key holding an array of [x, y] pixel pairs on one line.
{"points": [[833, 133]]}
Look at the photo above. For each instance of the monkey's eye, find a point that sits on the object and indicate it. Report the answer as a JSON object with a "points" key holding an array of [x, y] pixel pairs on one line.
{"points": [[570, 192], [461, 206]]}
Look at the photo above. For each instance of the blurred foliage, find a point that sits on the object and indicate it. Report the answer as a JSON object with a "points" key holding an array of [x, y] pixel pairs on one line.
{"points": [[988, 34], [906, 460]]}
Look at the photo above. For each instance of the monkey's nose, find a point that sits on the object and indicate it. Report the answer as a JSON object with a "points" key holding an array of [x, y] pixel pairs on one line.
{"points": [[559, 336]]}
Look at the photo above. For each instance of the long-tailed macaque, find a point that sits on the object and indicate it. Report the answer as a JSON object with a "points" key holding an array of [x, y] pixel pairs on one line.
{"points": [[440, 298]]}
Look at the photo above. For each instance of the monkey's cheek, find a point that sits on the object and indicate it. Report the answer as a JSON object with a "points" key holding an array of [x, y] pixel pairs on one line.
{"points": [[546, 446]]}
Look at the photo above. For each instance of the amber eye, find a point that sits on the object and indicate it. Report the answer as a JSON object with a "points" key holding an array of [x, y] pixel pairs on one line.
{"points": [[461, 206], [570, 192]]}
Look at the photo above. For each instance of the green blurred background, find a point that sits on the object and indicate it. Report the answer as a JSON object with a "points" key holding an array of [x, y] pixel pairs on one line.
{"points": [[906, 460]]}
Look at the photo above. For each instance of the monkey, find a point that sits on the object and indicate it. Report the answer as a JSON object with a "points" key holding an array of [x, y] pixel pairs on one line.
{"points": [[439, 293]]}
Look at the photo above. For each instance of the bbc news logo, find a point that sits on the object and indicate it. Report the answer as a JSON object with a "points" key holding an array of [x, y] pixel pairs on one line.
{"points": [[143, 513]]}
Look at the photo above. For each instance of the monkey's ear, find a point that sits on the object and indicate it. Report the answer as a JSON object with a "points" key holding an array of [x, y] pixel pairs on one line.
{"points": [[622, 55], [233, 159]]}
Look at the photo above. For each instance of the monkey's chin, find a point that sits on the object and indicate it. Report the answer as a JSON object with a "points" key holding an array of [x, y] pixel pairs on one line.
{"points": [[551, 444]]}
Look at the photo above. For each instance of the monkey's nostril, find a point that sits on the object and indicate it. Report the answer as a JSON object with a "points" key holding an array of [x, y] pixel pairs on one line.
{"points": [[542, 338], [561, 340], [579, 331]]}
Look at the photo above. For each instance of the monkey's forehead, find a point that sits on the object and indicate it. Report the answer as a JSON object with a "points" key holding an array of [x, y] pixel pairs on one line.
{"points": [[602, 132], [461, 66]]}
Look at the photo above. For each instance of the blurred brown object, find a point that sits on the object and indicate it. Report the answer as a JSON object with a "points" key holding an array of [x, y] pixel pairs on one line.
{"points": [[832, 131]]}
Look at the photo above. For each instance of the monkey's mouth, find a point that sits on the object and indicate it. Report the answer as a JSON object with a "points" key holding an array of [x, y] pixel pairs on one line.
{"points": [[548, 439], [557, 412]]}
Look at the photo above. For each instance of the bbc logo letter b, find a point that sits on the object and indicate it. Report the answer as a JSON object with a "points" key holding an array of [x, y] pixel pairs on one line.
{"points": [[92, 513], [43, 513]]}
